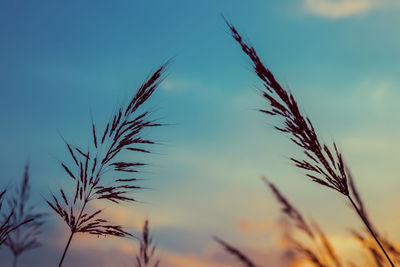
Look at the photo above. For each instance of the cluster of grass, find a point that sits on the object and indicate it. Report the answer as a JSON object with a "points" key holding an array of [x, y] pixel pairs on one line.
{"points": [[100, 172]]}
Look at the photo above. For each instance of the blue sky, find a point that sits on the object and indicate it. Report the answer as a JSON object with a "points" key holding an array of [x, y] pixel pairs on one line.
{"points": [[61, 62]]}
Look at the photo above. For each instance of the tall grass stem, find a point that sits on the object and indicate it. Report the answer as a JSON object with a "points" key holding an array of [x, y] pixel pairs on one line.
{"points": [[370, 230], [66, 248]]}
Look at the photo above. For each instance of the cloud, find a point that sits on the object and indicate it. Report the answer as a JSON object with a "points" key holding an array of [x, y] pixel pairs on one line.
{"points": [[182, 260], [335, 9], [246, 225], [380, 92], [178, 84]]}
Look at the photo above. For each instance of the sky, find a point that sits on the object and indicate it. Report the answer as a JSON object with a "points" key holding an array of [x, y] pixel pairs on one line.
{"points": [[63, 62]]}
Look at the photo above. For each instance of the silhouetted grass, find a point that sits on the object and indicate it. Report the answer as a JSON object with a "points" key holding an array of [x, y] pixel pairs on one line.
{"points": [[147, 249], [365, 241], [7, 225], [24, 238], [241, 256], [323, 164], [323, 252], [122, 133]]}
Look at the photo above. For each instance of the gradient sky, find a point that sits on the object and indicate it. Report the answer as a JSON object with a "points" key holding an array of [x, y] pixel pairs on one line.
{"points": [[61, 62]]}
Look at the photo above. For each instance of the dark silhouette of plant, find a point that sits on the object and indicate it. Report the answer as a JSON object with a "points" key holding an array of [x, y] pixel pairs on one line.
{"points": [[365, 242], [323, 253], [7, 226], [320, 254], [122, 133], [24, 238], [378, 258], [323, 165], [147, 249], [241, 257], [289, 210]]}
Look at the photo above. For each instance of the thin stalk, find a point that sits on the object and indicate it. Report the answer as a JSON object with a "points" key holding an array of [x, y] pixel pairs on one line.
{"points": [[66, 248], [78, 219], [15, 260], [370, 230], [77, 223]]}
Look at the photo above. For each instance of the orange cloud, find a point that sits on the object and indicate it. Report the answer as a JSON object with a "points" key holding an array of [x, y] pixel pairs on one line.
{"points": [[184, 260], [253, 227]]}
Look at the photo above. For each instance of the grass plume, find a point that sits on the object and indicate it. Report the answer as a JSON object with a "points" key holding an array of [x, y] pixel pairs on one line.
{"points": [[24, 238], [241, 257], [323, 164], [365, 241], [7, 225], [323, 253], [122, 133], [147, 249]]}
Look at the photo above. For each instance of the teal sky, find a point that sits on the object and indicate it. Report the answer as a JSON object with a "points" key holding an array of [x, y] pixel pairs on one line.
{"points": [[61, 62]]}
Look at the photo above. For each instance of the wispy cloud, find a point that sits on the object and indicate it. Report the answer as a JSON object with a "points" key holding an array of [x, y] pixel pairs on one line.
{"points": [[178, 84], [249, 226], [182, 260], [335, 9]]}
